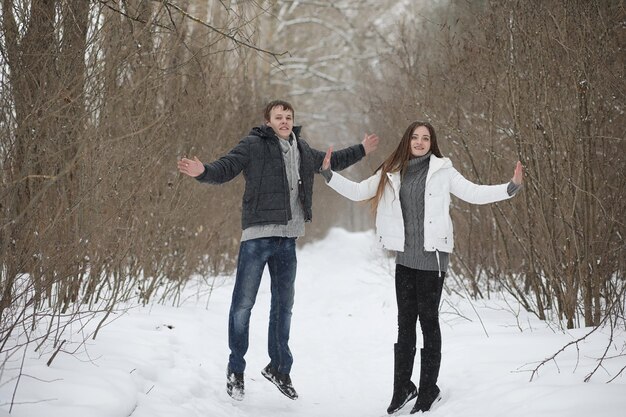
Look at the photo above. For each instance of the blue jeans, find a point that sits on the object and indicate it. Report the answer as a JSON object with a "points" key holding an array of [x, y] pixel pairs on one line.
{"points": [[279, 253]]}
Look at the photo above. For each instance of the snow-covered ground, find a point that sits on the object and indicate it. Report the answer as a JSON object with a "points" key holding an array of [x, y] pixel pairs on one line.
{"points": [[170, 362]]}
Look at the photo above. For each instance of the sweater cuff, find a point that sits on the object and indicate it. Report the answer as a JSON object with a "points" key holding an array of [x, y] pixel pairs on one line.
{"points": [[512, 188], [327, 174]]}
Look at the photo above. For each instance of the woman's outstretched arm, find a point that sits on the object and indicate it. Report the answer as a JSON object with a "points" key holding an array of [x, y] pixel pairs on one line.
{"points": [[355, 191]]}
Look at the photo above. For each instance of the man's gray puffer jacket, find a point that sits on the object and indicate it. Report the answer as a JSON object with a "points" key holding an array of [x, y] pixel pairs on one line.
{"points": [[266, 195]]}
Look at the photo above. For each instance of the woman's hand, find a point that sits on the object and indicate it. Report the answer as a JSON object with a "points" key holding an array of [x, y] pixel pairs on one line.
{"points": [[192, 167], [370, 143], [326, 163], [518, 174]]}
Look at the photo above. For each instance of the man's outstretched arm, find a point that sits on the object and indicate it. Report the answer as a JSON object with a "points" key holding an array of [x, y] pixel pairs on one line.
{"points": [[346, 157], [220, 171]]}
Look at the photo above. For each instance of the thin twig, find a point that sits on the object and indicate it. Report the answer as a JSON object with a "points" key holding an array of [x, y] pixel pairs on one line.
{"points": [[233, 38], [55, 352]]}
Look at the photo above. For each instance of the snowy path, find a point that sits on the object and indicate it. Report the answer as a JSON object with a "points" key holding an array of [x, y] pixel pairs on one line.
{"points": [[343, 331]]}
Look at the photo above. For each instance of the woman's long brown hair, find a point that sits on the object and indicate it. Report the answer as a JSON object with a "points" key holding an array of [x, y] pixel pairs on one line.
{"points": [[399, 159]]}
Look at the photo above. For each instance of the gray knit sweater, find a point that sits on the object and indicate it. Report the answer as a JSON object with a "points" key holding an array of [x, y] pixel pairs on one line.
{"points": [[412, 202]]}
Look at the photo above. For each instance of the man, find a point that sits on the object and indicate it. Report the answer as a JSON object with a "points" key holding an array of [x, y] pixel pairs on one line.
{"points": [[278, 167]]}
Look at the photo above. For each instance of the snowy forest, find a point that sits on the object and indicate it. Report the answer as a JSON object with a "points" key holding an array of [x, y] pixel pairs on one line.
{"points": [[99, 98]]}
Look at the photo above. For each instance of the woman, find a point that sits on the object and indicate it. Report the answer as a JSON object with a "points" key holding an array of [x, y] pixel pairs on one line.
{"points": [[410, 193]]}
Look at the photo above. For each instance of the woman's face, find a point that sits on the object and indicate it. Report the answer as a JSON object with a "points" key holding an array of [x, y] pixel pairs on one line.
{"points": [[420, 141]]}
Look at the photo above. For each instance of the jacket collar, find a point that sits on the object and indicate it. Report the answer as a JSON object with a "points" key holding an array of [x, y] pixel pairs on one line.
{"points": [[435, 164]]}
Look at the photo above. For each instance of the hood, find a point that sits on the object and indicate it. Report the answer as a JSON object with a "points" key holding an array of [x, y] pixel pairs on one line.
{"points": [[266, 132], [435, 164]]}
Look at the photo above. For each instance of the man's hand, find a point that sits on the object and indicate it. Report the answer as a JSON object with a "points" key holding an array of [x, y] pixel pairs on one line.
{"points": [[192, 167], [370, 143], [518, 174], [326, 163]]}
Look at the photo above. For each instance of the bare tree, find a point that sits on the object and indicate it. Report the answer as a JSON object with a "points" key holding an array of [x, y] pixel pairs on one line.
{"points": [[98, 100], [535, 81]]}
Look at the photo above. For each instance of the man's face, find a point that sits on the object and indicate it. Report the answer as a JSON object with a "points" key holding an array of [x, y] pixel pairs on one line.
{"points": [[281, 121]]}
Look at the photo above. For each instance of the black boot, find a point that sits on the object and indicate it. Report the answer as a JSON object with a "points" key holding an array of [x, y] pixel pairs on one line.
{"points": [[403, 389], [235, 385], [429, 392], [282, 382]]}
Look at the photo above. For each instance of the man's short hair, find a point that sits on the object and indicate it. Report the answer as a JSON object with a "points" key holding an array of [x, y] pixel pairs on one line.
{"points": [[277, 103]]}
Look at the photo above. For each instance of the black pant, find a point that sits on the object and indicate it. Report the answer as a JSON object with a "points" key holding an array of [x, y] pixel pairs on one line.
{"points": [[418, 294]]}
